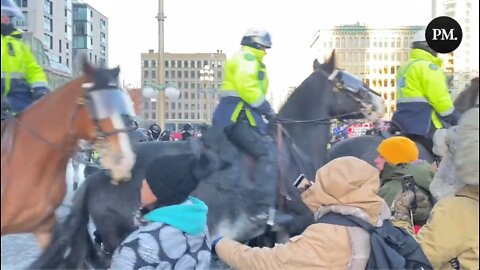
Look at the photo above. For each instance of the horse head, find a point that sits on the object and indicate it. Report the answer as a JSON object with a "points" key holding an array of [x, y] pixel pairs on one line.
{"points": [[106, 119], [327, 94], [352, 97]]}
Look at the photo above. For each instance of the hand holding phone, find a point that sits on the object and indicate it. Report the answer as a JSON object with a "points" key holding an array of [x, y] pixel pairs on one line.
{"points": [[302, 183], [408, 184]]}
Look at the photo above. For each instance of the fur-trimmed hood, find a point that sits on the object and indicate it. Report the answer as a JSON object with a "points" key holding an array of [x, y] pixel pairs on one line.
{"points": [[466, 157]]}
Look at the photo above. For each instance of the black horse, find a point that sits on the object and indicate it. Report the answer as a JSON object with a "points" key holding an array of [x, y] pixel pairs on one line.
{"points": [[301, 132], [365, 147]]}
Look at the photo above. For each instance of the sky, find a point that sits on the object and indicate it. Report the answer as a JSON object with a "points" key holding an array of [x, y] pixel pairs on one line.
{"points": [[194, 26]]}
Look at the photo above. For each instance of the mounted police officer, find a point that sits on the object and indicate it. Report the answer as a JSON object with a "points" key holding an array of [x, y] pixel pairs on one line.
{"points": [[242, 106], [423, 101], [23, 80]]}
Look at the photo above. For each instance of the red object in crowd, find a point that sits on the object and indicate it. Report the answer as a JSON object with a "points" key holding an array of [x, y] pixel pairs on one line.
{"points": [[416, 228], [176, 136]]}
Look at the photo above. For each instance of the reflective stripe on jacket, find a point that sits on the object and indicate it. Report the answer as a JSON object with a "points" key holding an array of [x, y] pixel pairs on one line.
{"points": [[422, 94]]}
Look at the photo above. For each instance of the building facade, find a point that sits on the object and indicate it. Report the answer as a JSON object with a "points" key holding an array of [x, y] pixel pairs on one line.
{"points": [[372, 54], [90, 36], [49, 21], [462, 64], [198, 77]]}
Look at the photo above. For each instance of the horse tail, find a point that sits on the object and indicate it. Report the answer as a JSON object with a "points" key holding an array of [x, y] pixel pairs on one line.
{"points": [[71, 244]]}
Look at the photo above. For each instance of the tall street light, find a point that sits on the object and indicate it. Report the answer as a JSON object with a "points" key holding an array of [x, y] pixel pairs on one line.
{"points": [[206, 76], [161, 66], [153, 91]]}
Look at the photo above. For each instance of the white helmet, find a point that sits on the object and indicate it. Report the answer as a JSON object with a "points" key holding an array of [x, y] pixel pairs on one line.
{"points": [[420, 42], [419, 36], [255, 37], [10, 9]]}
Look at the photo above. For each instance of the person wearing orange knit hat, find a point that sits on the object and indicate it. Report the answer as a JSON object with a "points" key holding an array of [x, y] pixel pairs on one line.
{"points": [[398, 156]]}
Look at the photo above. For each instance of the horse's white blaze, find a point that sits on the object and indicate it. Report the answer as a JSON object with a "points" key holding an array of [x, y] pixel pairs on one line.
{"points": [[378, 107], [120, 164]]}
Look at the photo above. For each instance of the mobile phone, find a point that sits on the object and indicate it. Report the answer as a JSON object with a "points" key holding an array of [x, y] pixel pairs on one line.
{"points": [[301, 181], [408, 184]]}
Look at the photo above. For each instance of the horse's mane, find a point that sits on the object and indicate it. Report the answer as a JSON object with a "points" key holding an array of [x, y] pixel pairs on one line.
{"points": [[468, 97]]}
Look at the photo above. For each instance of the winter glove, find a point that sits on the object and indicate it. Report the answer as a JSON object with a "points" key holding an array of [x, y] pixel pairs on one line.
{"points": [[424, 207], [402, 206], [452, 118], [38, 92], [215, 242]]}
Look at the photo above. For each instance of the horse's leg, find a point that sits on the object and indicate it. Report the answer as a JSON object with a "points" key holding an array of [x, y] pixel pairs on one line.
{"points": [[44, 233], [75, 166]]}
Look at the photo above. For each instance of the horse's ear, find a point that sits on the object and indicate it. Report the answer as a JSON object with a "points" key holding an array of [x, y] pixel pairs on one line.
{"points": [[116, 71], [316, 65], [87, 67], [330, 65]]}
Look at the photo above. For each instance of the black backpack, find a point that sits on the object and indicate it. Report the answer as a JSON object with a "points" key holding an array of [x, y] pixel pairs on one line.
{"points": [[391, 247]]}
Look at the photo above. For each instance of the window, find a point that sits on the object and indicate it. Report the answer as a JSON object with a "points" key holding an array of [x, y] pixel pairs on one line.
{"points": [[22, 3], [219, 75], [145, 63], [95, 59], [154, 115], [185, 115], [179, 74], [185, 96], [103, 37], [48, 7], [192, 85], [48, 41], [154, 74], [166, 63], [68, 62], [192, 75], [392, 70], [103, 24], [145, 74], [385, 82], [185, 85], [153, 63], [185, 74], [185, 64], [192, 115], [392, 95], [47, 24], [179, 64], [167, 74]]}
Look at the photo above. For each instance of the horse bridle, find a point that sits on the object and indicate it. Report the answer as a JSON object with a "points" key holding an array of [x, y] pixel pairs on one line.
{"points": [[338, 85], [100, 134]]}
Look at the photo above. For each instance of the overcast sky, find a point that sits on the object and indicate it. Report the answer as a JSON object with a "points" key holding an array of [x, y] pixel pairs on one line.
{"points": [[207, 25]]}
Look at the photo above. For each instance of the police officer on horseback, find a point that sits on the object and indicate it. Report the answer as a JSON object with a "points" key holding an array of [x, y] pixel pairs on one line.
{"points": [[23, 80], [242, 106], [423, 101]]}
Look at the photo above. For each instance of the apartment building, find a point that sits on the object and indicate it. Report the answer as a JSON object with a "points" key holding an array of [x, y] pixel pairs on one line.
{"points": [[90, 35], [198, 76]]}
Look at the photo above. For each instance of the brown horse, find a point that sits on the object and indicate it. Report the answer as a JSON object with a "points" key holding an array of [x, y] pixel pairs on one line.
{"points": [[37, 144]]}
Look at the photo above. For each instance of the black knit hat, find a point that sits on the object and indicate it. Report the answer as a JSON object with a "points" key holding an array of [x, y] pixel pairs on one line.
{"points": [[173, 177]]}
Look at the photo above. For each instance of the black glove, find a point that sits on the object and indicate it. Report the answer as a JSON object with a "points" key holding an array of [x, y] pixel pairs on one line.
{"points": [[37, 93], [452, 118], [271, 116]]}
